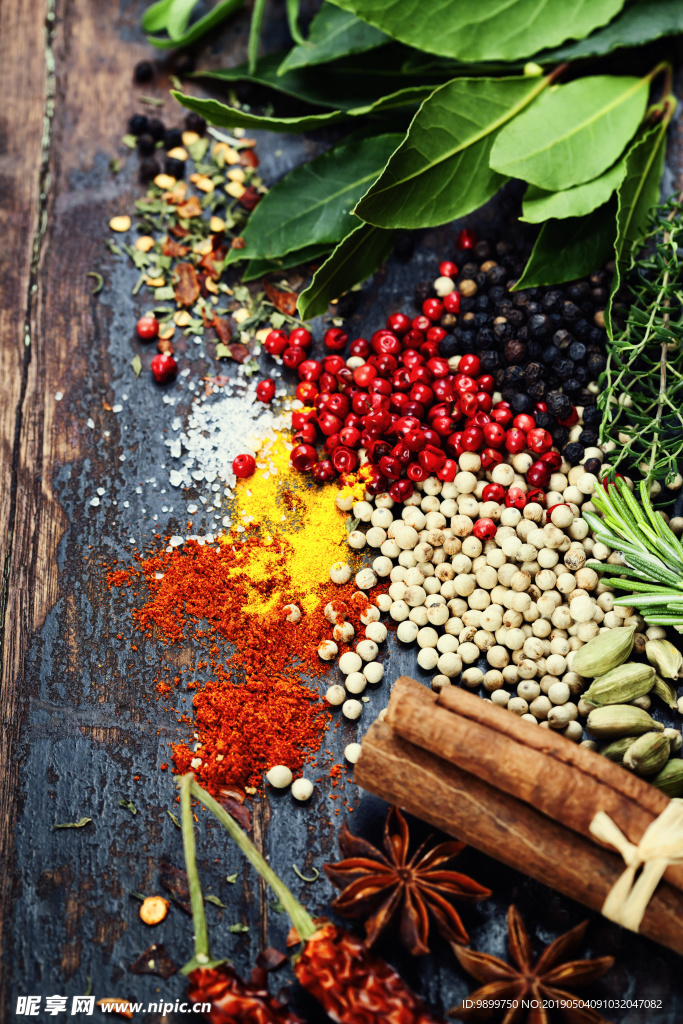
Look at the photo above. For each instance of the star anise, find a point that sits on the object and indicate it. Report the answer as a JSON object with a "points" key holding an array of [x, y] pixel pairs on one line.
{"points": [[522, 980], [381, 887]]}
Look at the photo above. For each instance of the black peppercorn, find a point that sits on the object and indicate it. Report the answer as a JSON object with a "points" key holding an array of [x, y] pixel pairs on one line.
{"points": [[550, 354], [593, 466], [581, 374], [496, 275], [148, 169], [146, 145], [138, 124], [195, 123], [486, 338], [588, 438], [559, 434], [562, 339], [423, 291], [496, 293], [592, 416], [536, 390], [558, 404], [504, 332], [466, 339], [573, 452], [539, 325], [176, 168], [515, 351], [533, 372], [466, 305], [480, 319], [582, 328], [578, 291], [552, 301], [585, 397], [482, 250], [156, 128], [571, 386], [449, 346], [143, 72], [523, 333], [513, 377], [544, 419], [577, 351], [482, 303], [563, 367], [595, 364], [490, 360], [570, 312], [520, 403], [534, 349], [173, 137]]}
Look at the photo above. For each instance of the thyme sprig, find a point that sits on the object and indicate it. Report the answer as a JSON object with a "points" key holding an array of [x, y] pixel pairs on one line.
{"points": [[653, 574], [641, 389]]}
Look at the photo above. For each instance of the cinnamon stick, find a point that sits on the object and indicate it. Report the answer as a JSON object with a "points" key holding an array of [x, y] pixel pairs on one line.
{"points": [[562, 780], [473, 810]]}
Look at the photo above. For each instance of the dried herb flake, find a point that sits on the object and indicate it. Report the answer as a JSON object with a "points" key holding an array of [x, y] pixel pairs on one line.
{"points": [[73, 824]]}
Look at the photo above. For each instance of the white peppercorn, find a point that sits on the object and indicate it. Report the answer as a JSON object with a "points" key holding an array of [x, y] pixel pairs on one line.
{"points": [[366, 579], [373, 671], [327, 650], [367, 649], [352, 709], [302, 789], [427, 658], [292, 612], [355, 682], [450, 664], [356, 540], [350, 662], [518, 706], [279, 776], [336, 694], [407, 631], [340, 572], [343, 633]]}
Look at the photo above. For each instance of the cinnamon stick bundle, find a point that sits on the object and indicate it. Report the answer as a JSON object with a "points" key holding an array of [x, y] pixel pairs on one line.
{"points": [[524, 795], [544, 769], [505, 828]]}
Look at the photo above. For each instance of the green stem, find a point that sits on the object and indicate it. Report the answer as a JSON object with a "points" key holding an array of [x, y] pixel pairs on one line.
{"points": [[255, 33], [202, 952], [293, 22], [300, 918]]}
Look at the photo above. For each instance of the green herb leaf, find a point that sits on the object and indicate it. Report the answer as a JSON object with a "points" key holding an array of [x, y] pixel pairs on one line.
{"points": [[232, 878], [540, 205], [441, 171], [306, 878], [130, 141], [73, 824], [178, 17], [572, 133], [639, 23], [161, 11], [222, 351], [276, 906], [229, 117], [137, 895], [210, 898], [173, 818], [239, 928], [312, 204], [260, 267], [346, 84], [485, 30], [136, 363], [128, 805], [255, 26], [113, 247], [333, 33], [570, 248], [292, 7], [99, 281], [638, 192], [356, 257]]}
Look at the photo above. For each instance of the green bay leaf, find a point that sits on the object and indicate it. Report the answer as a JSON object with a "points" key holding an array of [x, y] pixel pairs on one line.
{"points": [[259, 267], [441, 171], [640, 22], [568, 249], [540, 205], [356, 258], [486, 30], [333, 33], [312, 205], [637, 194], [198, 29], [573, 132]]}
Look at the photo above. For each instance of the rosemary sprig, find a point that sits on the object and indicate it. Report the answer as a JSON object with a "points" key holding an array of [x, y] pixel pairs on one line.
{"points": [[653, 574], [641, 388]]}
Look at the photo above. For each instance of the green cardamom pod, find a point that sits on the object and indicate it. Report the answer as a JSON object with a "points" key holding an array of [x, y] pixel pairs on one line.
{"points": [[670, 778], [648, 754], [615, 750], [622, 684], [675, 740], [615, 720], [666, 692], [604, 652], [666, 658]]}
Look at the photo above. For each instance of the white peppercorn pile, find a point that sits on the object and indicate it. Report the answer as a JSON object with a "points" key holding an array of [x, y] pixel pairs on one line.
{"points": [[523, 600]]}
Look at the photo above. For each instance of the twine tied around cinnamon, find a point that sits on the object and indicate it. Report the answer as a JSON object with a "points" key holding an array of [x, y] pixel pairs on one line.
{"points": [[661, 844]]}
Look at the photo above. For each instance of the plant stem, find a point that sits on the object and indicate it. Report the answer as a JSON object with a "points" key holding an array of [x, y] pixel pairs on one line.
{"points": [[255, 33], [202, 952], [300, 918]]}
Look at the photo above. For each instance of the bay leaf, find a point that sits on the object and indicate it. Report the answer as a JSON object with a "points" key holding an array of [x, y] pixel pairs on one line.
{"points": [[347, 83], [292, 7], [356, 258], [573, 132], [441, 171], [155, 16], [568, 249], [260, 267], [637, 194], [312, 204], [223, 116], [484, 30], [541, 205], [178, 17], [198, 29], [333, 33], [640, 22]]}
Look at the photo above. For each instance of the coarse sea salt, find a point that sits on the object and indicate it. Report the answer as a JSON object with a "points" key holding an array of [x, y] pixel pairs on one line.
{"points": [[219, 427]]}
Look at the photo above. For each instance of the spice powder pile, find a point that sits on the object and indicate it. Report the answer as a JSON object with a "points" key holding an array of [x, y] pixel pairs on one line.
{"points": [[231, 597]]}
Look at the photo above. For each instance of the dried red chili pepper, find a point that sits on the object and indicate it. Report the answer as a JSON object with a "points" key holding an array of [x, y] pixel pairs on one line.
{"points": [[234, 1001], [284, 301], [353, 985], [186, 288]]}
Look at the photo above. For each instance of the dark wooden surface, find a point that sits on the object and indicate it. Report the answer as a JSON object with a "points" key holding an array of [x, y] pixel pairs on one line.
{"points": [[79, 721]]}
